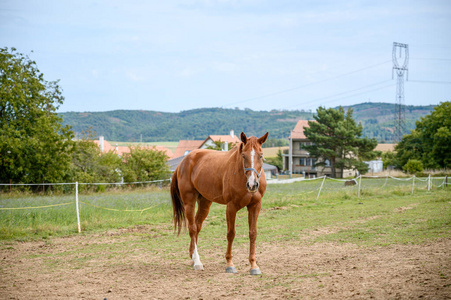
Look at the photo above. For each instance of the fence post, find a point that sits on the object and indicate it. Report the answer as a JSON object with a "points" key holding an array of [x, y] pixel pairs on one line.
{"points": [[429, 182], [413, 184], [360, 184], [322, 183], [76, 205]]}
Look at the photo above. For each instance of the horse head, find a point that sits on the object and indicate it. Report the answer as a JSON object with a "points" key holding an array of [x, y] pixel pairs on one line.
{"points": [[252, 156]]}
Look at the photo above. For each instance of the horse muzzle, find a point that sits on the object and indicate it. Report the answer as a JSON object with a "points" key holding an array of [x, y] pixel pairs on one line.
{"points": [[252, 188]]}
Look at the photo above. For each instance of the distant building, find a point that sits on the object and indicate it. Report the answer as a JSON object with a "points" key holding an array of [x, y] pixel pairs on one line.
{"points": [[211, 139], [186, 146], [105, 147], [375, 166], [298, 160]]}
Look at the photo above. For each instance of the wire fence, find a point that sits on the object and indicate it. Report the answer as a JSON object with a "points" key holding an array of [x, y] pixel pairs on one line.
{"points": [[139, 197]]}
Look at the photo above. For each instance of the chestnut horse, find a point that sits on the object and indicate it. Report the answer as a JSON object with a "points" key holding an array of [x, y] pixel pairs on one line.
{"points": [[234, 178]]}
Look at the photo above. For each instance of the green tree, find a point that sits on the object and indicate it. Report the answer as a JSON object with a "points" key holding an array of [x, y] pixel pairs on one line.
{"points": [[338, 139], [413, 166], [90, 165], [430, 142], [389, 159], [34, 146], [142, 164]]}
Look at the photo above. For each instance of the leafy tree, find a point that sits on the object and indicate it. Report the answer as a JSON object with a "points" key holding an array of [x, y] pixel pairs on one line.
{"points": [[338, 139], [430, 142], [413, 166], [34, 146], [389, 159], [142, 164], [90, 165]]}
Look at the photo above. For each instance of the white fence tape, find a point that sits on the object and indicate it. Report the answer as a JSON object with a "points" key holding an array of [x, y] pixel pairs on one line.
{"points": [[430, 184]]}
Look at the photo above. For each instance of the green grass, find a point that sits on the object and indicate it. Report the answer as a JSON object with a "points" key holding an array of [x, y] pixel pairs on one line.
{"points": [[383, 215]]}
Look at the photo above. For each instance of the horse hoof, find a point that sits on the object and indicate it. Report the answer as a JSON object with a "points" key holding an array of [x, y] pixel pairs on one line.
{"points": [[256, 272], [230, 270], [198, 267]]}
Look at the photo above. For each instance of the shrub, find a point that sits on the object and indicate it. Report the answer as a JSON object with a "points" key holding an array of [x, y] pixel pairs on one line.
{"points": [[413, 166]]}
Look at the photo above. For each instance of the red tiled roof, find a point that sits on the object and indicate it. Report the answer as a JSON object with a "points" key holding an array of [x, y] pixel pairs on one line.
{"points": [[186, 145], [121, 150], [298, 131]]}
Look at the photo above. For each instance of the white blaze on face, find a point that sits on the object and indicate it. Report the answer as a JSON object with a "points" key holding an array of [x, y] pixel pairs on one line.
{"points": [[251, 179]]}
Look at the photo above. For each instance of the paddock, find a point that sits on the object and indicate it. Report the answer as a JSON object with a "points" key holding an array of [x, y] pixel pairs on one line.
{"points": [[387, 243]]}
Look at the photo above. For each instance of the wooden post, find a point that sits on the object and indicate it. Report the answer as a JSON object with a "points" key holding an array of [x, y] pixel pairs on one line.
{"points": [[76, 205], [360, 184]]}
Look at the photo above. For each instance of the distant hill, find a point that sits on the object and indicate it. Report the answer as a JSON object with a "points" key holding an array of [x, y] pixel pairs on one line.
{"points": [[197, 124]]}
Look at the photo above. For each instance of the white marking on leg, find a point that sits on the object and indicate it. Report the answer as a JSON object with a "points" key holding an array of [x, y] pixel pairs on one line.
{"points": [[197, 264]]}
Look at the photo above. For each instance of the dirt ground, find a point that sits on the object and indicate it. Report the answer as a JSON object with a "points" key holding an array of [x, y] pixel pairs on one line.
{"points": [[292, 270]]}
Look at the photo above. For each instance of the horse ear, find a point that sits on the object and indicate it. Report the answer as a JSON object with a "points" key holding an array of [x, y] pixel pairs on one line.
{"points": [[263, 138], [243, 138]]}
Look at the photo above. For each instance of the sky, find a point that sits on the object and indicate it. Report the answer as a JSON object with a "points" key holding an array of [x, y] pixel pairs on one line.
{"points": [[173, 56]]}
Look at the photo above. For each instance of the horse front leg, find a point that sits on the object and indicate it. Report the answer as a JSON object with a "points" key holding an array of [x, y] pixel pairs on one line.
{"points": [[231, 216], [253, 211]]}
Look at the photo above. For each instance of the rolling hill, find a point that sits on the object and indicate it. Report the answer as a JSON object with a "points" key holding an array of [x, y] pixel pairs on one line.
{"points": [[197, 124]]}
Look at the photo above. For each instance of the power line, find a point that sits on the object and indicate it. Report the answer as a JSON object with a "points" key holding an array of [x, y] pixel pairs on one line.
{"points": [[431, 81], [431, 58], [347, 92], [306, 85]]}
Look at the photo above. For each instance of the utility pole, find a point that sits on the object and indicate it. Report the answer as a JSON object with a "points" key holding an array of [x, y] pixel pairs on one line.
{"points": [[400, 51]]}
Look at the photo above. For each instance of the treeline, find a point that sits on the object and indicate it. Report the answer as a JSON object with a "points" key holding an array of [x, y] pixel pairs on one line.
{"points": [[36, 148], [197, 124], [428, 146]]}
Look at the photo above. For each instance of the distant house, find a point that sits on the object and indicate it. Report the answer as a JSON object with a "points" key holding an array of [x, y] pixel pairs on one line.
{"points": [[298, 160], [186, 146], [211, 139], [105, 147]]}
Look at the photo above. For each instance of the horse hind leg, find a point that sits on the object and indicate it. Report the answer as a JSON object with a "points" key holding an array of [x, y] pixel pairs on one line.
{"points": [[192, 227], [202, 213], [231, 216]]}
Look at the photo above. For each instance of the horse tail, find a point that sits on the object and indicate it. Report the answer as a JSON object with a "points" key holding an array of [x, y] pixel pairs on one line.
{"points": [[177, 205]]}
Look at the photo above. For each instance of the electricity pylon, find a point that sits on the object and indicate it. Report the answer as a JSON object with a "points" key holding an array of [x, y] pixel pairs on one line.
{"points": [[401, 69]]}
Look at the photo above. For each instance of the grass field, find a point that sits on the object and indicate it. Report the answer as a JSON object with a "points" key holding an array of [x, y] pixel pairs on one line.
{"points": [[293, 204], [387, 244]]}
